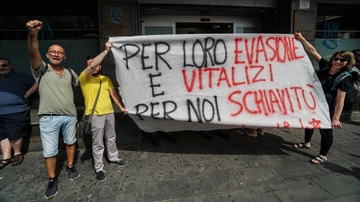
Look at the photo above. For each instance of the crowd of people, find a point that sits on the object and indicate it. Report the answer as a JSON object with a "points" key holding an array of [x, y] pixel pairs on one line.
{"points": [[57, 111]]}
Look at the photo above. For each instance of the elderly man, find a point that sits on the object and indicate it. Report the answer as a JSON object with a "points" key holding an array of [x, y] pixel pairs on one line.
{"points": [[57, 109], [15, 89]]}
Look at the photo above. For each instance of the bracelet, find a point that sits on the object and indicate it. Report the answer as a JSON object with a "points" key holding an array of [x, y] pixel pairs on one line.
{"points": [[26, 95]]}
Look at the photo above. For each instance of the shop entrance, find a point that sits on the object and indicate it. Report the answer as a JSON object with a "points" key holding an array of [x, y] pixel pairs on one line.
{"points": [[203, 28]]}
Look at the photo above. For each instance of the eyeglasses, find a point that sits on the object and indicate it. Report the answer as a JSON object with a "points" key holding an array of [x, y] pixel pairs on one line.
{"points": [[4, 65], [56, 53], [341, 59]]}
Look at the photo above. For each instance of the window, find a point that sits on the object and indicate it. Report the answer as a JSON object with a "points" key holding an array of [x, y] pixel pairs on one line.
{"points": [[247, 30], [338, 21], [153, 30], [54, 27]]}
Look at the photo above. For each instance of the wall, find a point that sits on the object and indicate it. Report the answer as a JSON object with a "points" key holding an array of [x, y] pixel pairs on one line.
{"points": [[76, 51]]}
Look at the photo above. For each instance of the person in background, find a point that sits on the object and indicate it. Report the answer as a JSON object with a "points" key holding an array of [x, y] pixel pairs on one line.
{"points": [[340, 61], [15, 91], [357, 57], [357, 64], [57, 109], [103, 120]]}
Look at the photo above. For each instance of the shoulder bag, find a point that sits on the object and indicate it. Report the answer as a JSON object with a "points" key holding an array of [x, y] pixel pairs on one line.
{"points": [[85, 123]]}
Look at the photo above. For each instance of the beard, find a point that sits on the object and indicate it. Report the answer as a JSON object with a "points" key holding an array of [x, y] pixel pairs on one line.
{"points": [[3, 72]]}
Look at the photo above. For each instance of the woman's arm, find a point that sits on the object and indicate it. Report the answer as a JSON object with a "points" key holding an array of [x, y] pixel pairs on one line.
{"points": [[340, 98], [308, 47]]}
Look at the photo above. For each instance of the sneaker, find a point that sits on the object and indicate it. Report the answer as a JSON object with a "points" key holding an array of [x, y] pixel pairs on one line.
{"points": [[251, 132], [73, 174], [52, 188], [100, 176], [119, 163]]}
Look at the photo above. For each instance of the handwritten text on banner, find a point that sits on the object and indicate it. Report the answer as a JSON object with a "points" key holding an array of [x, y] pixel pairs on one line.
{"points": [[218, 81]]}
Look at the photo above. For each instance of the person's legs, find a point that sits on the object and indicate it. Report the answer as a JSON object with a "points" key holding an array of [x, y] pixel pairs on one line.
{"points": [[307, 139], [15, 126], [97, 125], [110, 138], [50, 163], [70, 154], [326, 141], [5, 148], [50, 127], [6, 153], [49, 133], [308, 135], [68, 128], [325, 145], [17, 145], [52, 187]]}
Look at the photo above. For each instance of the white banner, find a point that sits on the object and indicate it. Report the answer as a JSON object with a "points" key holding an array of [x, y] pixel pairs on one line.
{"points": [[218, 81]]}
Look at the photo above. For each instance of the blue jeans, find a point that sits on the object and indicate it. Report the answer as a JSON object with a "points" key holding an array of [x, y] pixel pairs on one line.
{"points": [[50, 128]]}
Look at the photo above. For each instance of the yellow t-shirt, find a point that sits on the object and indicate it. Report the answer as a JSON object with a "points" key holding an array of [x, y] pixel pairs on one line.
{"points": [[90, 87]]}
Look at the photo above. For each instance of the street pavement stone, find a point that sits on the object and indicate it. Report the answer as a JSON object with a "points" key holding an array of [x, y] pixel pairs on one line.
{"points": [[195, 169]]}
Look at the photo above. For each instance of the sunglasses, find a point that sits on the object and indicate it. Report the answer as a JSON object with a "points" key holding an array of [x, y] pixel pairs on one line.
{"points": [[341, 59], [4, 65]]}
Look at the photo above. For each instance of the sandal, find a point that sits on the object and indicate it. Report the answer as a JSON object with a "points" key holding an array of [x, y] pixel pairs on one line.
{"points": [[260, 131], [5, 162], [318, 160], [17, 159], [300, 145]]}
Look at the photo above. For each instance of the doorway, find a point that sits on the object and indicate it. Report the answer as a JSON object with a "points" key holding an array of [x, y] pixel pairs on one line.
{"points": [[203, 28]]}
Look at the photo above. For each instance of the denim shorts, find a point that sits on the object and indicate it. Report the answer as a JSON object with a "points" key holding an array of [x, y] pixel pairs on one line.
{"points": [[50, 128]]}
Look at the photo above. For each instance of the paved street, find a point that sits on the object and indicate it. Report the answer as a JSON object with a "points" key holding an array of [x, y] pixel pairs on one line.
{"points": [[243, 168]]}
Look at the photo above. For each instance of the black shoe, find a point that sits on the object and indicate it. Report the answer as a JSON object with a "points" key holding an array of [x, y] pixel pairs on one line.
{"points": [[52, 188], [207, 135], [100, 176], [72, 172], [119, 163], [154, 141], [171, 138]]}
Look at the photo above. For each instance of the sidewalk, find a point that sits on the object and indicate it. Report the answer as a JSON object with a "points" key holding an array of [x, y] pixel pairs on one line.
{"points": [[243, 168]]}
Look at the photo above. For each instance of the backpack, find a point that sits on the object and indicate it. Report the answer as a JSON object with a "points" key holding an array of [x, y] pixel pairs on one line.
{"points": [[46, 68], [354, 90]]}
